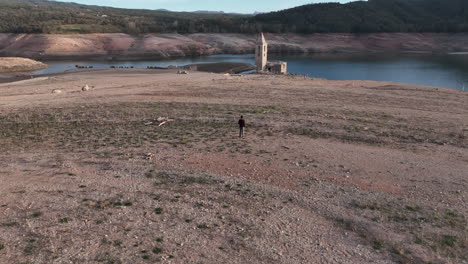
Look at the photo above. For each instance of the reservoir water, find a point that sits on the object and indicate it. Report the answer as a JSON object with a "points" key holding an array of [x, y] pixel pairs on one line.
{"points": [[449, 71]]}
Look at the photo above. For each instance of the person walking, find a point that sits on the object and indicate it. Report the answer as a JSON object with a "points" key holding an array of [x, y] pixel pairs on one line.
{"points": [[241, 126]]}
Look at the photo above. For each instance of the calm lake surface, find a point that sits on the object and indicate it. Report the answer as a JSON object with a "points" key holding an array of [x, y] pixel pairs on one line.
{"points": [[435, 70]]}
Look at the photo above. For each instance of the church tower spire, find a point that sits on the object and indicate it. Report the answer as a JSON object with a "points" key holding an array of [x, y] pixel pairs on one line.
{"points": [[261, 52]]}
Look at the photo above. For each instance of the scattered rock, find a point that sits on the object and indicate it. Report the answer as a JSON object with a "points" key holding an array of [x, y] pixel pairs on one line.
{"points": [[149, 156], [85, 88], [57, 91]]}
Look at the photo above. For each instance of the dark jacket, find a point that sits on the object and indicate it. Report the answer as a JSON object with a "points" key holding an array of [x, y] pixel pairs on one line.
{"points": [[241, 122]]}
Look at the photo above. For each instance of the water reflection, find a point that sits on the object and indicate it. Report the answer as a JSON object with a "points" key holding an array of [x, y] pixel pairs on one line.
{"points": [[434, 70]]}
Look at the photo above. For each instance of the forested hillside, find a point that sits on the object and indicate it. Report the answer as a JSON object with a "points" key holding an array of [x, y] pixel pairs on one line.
{"points": [[42, 16], [371, 16]]}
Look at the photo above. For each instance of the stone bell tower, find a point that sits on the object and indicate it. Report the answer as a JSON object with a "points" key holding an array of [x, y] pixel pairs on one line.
{"points": [[261, 52]]}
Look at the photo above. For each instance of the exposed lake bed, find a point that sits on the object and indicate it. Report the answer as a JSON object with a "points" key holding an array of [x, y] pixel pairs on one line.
{"points": [[266, 132], [339, 144], [354, 160]]}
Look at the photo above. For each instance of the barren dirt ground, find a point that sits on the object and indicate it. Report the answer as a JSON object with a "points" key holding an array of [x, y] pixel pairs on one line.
{"points": [[329, 171], [9, 64]]}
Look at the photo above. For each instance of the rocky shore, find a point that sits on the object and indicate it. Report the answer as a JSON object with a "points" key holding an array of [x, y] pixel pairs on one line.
{"points": [[155, 46]]}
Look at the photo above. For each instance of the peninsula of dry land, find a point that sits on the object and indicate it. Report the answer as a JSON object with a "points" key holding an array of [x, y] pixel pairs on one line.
{"points": [[15, 64], [147, 166]]}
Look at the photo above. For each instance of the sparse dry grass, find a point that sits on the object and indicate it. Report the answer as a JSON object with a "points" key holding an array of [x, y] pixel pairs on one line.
{"points": [[440, 230], [126, 125], [100, 177]]}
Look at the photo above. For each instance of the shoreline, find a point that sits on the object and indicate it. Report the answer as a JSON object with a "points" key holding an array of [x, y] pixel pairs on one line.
{"points": [[11, 80], [73, 58], [130, 58], [157, 46], [219, 67]]}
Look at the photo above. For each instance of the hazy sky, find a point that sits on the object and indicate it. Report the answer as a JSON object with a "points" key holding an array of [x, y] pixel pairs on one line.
{"points": [[241, 6]]}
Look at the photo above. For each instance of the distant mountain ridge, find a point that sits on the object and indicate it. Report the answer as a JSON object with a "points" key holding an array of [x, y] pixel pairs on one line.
{"points": [[218, 12], [373, 16]]}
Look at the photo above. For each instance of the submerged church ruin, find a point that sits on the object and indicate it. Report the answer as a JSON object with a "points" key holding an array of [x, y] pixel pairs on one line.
{"points": [[261, 59]]}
